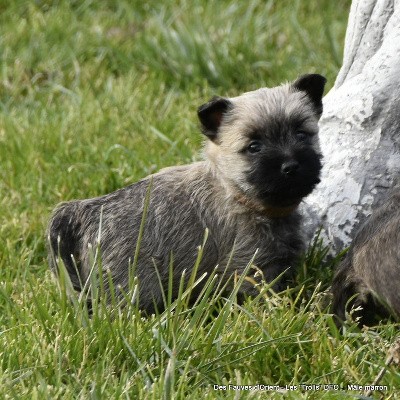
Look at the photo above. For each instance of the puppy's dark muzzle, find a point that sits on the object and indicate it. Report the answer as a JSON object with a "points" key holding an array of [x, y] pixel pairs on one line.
{"points": [[290, 168]]}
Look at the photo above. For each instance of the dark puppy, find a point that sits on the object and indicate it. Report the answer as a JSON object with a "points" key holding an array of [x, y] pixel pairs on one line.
{"points": [[262, 158], [369, 276]]}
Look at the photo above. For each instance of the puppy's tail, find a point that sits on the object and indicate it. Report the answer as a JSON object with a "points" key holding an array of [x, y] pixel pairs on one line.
{"points": [[63, 238]]}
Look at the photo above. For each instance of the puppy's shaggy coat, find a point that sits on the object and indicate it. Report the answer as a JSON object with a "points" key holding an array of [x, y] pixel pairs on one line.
{"points": [[369, 276], [262, 158]]}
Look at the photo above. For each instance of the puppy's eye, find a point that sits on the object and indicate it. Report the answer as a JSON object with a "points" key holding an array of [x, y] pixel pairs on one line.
{"points": [[302, 136], [254, 147]]}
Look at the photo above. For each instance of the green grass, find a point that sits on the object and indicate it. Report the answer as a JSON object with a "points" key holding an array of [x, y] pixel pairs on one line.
{"points": [[95, 95]]}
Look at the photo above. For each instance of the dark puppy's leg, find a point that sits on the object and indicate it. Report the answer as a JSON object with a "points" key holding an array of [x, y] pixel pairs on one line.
{"points": [[342, 290], [350, 293]]}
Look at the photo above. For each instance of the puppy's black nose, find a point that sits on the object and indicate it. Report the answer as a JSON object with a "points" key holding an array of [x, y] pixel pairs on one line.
{"points": [[289, 167]]}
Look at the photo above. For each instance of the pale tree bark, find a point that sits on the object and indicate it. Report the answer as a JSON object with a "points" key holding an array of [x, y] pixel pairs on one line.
{"points": [[360, 125]]}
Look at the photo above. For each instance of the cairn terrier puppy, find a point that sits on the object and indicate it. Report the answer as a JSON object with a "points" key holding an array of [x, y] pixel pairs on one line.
{"points": [[262, 158], [369, 276]]}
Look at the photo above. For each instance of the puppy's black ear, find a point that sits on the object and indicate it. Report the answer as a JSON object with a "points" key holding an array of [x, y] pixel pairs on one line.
{"points": [[211, 114], [313, 85]]}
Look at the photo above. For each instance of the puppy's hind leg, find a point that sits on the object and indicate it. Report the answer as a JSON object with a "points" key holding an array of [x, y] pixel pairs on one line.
{"points": [[64, 242]]}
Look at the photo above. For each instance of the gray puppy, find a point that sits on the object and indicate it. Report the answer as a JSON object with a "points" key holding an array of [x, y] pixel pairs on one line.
{"points": [[369, 276], [262, 159]]}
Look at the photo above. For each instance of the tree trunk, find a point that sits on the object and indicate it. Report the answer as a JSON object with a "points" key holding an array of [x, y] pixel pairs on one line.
{"points": [[360, 125]]}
